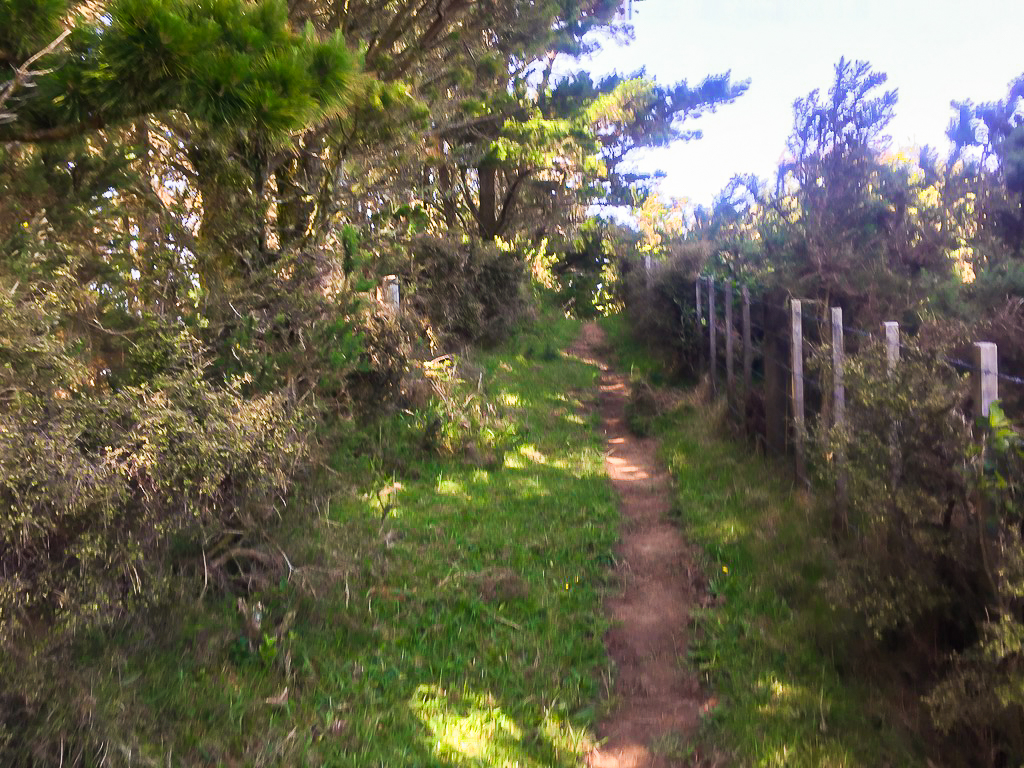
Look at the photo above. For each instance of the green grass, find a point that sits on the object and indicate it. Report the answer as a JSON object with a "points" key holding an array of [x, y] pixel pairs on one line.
{"points": [[464, 631], [768, 642], [632, 356]]}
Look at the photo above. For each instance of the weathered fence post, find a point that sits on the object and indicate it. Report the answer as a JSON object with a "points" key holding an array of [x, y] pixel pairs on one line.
{"points": [[892, 345], [391, 294], [700, 325], [730, 379], [986, 378], [776, 394], [892, 357], [986, 391], [748, 353], [840, 521], [797, 368], [713, 349]]}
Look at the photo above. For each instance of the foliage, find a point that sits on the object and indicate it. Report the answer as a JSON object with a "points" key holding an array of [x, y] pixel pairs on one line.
{"points": [[928, 532], [200, 197], [934, 542], [586, 275], [787, 687], [642, 407], [659, 306], [227, 62], [982, 691], [904, 452], [469, 292], [455, 611], [99, 487]]}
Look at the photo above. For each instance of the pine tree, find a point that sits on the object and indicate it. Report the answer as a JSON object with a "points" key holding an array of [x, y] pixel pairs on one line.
{"points": [[224, 62]]}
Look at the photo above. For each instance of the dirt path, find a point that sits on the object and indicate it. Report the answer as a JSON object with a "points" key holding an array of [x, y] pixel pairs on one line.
{"points": [[657, 698]]}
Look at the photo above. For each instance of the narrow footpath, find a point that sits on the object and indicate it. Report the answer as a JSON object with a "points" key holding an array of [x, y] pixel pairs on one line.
{"points": [[657, 698]]}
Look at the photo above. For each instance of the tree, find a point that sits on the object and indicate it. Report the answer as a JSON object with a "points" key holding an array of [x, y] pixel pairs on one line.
{"points": [[569, 144], [849, 219], [226, 63], [990, 139]]}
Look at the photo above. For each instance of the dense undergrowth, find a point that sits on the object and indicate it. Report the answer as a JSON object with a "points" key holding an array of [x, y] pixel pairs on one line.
{"points": [[791, 687], [441, 609]]}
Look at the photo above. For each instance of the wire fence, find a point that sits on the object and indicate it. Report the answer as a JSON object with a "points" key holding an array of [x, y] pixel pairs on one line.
{"points": [[793, 355]]}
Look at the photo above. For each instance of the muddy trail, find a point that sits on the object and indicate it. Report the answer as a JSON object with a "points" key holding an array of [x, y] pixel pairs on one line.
{"points": [[657, 698]]}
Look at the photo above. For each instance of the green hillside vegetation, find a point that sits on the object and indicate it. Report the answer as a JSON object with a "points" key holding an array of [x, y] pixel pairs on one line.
{"points": [[928, 548], [253, 514], [450, 618]]}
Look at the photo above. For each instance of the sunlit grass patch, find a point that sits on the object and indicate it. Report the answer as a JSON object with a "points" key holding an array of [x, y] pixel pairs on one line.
{"points": [[454, 621], [766, 640], [465, 725]]}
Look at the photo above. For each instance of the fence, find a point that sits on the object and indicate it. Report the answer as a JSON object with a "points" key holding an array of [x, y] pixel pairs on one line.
{"points": [[776, 395]]}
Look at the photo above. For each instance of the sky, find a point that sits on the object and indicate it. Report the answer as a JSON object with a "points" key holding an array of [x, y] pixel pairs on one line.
{"points": [[934, 51]]}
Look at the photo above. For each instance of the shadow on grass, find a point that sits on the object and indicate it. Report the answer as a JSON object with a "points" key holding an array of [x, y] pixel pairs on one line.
{"points": [[466, 630], [770, 641]]}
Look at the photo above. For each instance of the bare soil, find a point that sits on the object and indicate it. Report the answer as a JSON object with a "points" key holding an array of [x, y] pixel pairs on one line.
{"points": [[657, 698]]}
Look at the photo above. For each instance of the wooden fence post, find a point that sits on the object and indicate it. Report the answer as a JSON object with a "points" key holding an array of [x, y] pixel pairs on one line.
{"points": [[892, 357], [892, 345], [841, 520], [776, 394], [392, 299], [730, 379], [797, 368], [700, 325], [748, 353], [713, 349], [986, 378], [986, 391]]}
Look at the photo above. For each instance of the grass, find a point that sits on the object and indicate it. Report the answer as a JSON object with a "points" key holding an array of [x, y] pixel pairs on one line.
{"points": [[463, 630], [632, 356], [768, 641]]}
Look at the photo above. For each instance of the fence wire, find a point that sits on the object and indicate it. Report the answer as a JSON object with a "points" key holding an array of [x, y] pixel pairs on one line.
{"points": [[771, 343], [782, 331]]}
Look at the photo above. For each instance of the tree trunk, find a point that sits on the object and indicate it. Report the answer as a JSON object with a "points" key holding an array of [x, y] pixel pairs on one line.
{"points": [[444, 181], [233, 225], [487, 214], [298, 182]]}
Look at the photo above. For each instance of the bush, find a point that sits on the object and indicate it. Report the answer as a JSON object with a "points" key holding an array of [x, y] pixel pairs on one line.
{"points": [[933, 559], [983, 692], [469, 292], [660, 310], [906, 526], [97, 484], [642, 407]]}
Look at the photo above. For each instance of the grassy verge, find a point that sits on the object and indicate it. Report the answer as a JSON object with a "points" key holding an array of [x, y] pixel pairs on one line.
{"points": [[631, 355], [456, 622], [771, 646]]}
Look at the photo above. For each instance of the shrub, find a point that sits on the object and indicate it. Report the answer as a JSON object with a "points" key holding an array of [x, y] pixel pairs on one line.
{"points": [[660, 309], [469, 292], [905, 525], [642, 407], [98, 483], [983, 691], [933, 559]]}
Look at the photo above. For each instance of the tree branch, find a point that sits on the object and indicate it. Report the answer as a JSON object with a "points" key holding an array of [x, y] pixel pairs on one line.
{"points": [[506, 203], [56, 133], [24, 74]]}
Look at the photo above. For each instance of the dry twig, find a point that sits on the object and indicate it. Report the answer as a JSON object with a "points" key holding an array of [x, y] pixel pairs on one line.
{"points": [[24, 75]]}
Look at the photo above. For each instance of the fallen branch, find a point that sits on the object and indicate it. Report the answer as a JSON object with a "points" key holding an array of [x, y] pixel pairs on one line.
{"points": [[246, 553], [506, 622]]}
